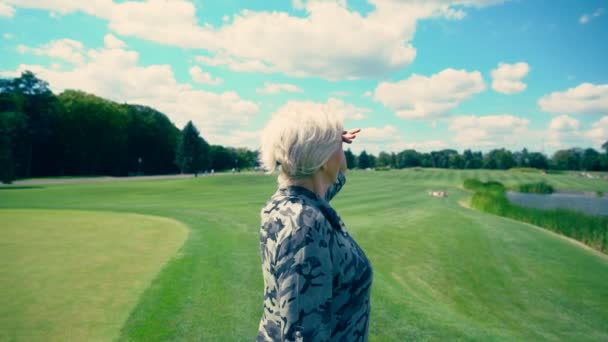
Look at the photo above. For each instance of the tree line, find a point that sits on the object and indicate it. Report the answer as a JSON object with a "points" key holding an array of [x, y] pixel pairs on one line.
{"points": [[579, 159], [80, 134]]}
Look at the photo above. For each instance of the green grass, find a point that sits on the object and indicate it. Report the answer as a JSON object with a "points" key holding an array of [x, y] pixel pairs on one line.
{"points": [[591, 230], [76, 275], [535, 188], [441, 271]]}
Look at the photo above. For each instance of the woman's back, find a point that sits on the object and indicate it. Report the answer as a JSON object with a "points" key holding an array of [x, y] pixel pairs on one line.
{"points": [[317, 280]]}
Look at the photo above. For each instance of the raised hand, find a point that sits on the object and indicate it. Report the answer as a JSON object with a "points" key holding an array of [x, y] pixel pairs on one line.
{"points": [[350, 135]]}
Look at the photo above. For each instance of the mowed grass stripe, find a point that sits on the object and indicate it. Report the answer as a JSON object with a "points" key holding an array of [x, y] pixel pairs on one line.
{"points": [[441, 271], [76, 275]]}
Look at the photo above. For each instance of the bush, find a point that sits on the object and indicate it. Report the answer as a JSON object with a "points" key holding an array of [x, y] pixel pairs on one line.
{"points": [[472, 184], [591, 230], [535, 188], [383, 168], [526, 169]]}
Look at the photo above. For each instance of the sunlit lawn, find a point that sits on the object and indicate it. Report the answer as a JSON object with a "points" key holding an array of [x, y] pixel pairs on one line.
{"points": [[441, 271]]}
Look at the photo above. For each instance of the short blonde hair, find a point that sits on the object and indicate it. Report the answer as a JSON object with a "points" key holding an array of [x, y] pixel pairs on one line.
{"points": [[301, 139]]}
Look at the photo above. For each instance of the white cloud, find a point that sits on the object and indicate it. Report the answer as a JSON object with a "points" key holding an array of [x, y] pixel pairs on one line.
{"points": [[7, 35], [387, 133], [564, 123], [275, 88], [236, 64], [421, 97], [6, 10], [586, 98], [200, 76], [420, 146], [488, 131], [586, 18], [339, 93], [333, 105], [374, 139], [506, 78], [563, 132], [214, 114], [113, 43], [297, 4], [367, 94], [331, 41], [598, 133], [237, 138], [68, 50], [389, 139]]}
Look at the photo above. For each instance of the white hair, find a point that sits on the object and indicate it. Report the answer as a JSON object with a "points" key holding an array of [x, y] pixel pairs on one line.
{"points": [[301, 139]]}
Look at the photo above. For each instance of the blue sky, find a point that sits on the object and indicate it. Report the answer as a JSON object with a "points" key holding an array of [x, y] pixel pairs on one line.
{"points": [[427, 75]]}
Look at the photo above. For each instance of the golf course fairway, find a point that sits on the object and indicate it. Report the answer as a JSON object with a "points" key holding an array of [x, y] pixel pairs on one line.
{"points": [[442, 271], [76, 275]]}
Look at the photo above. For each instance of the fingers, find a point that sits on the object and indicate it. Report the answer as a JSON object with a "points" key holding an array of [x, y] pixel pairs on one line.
{"points": [[348, 136], [352, 131]]}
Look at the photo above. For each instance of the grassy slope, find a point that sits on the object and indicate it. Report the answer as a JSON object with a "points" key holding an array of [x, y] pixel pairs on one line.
{"points": [[440, 270], [71, 275]]}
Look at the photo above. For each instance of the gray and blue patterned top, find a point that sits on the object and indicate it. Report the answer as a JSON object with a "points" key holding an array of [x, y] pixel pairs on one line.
{"points": [[317, 280]]}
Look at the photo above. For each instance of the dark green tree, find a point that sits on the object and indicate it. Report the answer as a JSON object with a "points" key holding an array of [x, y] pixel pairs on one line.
{"points": [[472, 160], [408, 158], [384, 159], [153, 138], [363, 160], [192, 150], [499, 159], [569, 159], [12, 126], [221, 158], [38, 103], [351, 160], [393, 160], [590, 160], [372, 160], [538, 160]]}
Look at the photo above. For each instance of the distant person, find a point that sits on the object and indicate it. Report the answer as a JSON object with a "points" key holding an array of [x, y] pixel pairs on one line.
{"points": [[317, 280]]}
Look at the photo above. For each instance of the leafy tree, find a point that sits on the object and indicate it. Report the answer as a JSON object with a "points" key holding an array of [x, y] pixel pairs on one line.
{"points": [[372, 160], [11, 126], [351, 160], [384, 159], [221, 158], [456, 161], [590, 160], [363, 161], [569, 159], [151, 137], [499, 159], [91, 134], [472, 160], [538, 160], [245, 158], [32, 96], [393, 160], [408, 158], [441, 159], [192, 150], [522, 159]]}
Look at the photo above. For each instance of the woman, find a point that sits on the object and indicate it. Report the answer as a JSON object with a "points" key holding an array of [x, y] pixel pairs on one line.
{"points": [[317, 280]]}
